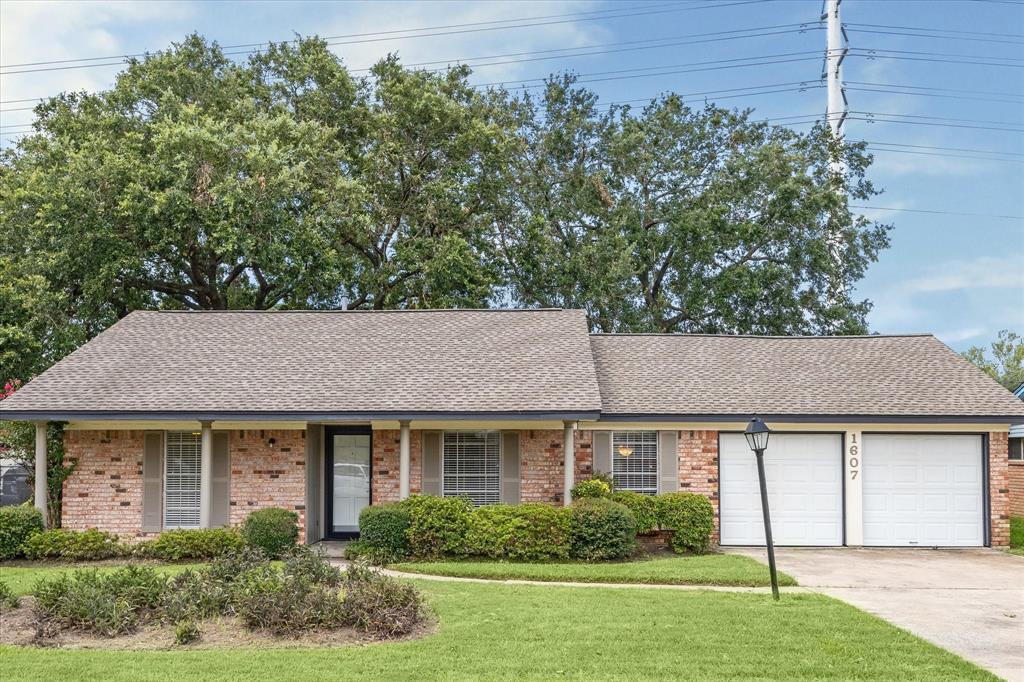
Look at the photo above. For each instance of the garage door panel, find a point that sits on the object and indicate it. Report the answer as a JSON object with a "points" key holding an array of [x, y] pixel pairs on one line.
{"points": [[922, 490], [804, 476]]}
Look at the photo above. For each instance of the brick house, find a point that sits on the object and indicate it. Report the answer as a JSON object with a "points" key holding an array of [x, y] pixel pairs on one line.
{"points": [[195, 419], [1016, 457]]}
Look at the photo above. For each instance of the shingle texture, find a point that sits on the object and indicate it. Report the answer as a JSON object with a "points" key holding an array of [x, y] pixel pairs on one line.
{"points": [[736, 375], [345, 362]]}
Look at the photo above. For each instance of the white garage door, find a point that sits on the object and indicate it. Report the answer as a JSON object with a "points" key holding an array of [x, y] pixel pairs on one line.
{"points": [[922, 490], [805, 490]]}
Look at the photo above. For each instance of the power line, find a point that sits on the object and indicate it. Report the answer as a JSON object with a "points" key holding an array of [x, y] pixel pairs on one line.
{"points": [[931, 35], [939, 125], [973, 98], [937, 118], [942, 30], [905, 86], [948, 156], [922, 210], [954, 149]]}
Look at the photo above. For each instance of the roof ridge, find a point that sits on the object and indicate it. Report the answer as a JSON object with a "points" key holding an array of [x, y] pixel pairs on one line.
{"points": [[763, 336], [338, 310]]}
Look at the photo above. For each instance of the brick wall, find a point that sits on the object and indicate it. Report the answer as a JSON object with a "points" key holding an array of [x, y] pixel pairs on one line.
{"points": [[999, 488], [541, 466], [698, 467], [1016, 479], [265, 475], [105, 490], [384, 482]]}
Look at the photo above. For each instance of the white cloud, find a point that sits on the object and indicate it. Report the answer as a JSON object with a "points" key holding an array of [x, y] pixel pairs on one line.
{"points": [[986, 272], [958, 335]]}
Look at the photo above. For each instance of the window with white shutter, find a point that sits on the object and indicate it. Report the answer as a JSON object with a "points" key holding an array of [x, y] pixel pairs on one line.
{"points": [[471, 464], [635, 461], [182, 461]]}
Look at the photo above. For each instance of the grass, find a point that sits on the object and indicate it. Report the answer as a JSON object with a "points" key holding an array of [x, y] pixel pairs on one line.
{"points": [[21, 577], [1017, 535], [537, 632], [709, 569]]}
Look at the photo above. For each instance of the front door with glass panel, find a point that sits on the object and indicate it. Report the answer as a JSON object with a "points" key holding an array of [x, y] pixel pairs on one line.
{"points": [[348, 479]]}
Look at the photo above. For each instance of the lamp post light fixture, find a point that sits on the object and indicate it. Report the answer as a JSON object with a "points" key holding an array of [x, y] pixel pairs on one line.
{"points": [[757, 433]]}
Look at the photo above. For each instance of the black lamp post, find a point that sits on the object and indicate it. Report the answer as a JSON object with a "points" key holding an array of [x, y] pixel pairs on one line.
{"points": [[757, 438]]}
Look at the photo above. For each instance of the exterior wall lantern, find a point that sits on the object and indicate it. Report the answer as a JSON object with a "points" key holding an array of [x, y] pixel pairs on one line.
{"points": [[625, 451], [757, 433]]}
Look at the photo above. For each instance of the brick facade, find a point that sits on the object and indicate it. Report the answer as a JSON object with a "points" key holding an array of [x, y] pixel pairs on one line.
{"points": [[268, 475], [698, 467], [999, 488], [384, 481], [1016, 479]]}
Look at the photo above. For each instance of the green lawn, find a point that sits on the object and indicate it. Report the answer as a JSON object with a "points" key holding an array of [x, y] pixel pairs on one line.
{"points": [[513, 632], [21, 577], [709, 569], [1017, 535]]}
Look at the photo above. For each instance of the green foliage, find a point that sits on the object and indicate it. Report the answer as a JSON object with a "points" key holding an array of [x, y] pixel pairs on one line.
{"points": [[1005, 363], [385, 528], [437, 525], [273, 530], [380, 605], [17, 524], [523, 532], [20, 439], [692, 518], [229, 566], [306, 563], [202, 543], [601, 530], [644, 508], [266, 598], [186, 632], [73, 545], [8, 600], [194, 595], [357, 550], [591, 487]]}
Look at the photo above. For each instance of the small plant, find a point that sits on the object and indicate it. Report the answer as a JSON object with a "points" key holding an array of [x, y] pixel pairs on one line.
{"points": [[273, 530], [306, 563], [601, 529], [522, 532], [73, 545], [178, 545], [193, 595], [385, 527], [8, 600], [692, 518], [227, 567], [17, 524], [186, 632], [358, 550], [379, 604], [266, 598], [644, 508], [591, 488], [437, 525]]}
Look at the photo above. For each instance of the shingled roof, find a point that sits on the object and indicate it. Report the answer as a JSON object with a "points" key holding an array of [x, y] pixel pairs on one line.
{"points": [[845, 376], [387, 363]]}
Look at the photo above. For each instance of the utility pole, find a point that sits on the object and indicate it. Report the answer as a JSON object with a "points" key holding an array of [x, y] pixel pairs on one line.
{"points": [[835, 116]]}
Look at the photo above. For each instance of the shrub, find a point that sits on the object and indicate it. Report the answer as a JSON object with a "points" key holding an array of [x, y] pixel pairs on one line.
{"points": [[192, 595], [186, 632], [226, 567], [266, 598], [692, 518], [525, 532], [385, 527], [357, 550], [8, 600], [274, 530], [176, 545], [437, 525], [74, 545], [310, 564], [17, 524], [591, 488], [644, 508], [601, 529], [379, 604]]}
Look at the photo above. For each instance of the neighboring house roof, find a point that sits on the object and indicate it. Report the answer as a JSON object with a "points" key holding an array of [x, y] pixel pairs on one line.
{"points": [[1019, 391], [500, 363], [401, 363], [707, 375]]}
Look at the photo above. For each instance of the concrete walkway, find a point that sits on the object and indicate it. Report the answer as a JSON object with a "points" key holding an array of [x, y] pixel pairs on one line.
{"points": [[970, 601]]}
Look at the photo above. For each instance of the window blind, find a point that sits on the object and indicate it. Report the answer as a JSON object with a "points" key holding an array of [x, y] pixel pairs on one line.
{"points": [[638, 471], [182, 463], [471, 465]]}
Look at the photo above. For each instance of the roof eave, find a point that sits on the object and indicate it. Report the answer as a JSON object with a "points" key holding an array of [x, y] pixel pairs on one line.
{"points": [[279, 415], [817, 418]]}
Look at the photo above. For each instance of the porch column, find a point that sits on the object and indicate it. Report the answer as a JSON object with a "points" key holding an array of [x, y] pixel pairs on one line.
{"points": [[206, 475], [569, 453], [41, 492], [403, 460]]}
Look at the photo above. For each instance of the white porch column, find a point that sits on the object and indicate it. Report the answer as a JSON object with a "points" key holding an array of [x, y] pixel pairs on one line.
{"points": [[41, 492], [206, 475], [403, 460], [569, 453], [852, 458]]}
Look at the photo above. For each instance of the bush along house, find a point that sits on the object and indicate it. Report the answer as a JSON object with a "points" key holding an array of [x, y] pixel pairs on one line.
{"points": [[195, 419]]}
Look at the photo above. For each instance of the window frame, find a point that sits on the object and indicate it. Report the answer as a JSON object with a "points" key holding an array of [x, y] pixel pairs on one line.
{"points": [[616, 457], [166, 488], [497, 474], [1019, 450]]}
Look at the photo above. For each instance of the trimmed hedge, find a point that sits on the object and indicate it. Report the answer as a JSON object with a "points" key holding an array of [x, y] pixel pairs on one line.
{"points": [[204, 543], [601, 530], [273, 530], [523, 532], [73, 545], [692, 518], [644, 508], [437, 525], [385, 528], [17, 524]]}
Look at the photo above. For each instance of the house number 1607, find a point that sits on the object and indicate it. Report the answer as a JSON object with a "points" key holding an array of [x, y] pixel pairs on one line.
{"points": [[854, 461]]}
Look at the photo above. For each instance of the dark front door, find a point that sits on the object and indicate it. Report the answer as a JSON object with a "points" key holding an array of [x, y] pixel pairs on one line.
{"points": [[348, 479]]}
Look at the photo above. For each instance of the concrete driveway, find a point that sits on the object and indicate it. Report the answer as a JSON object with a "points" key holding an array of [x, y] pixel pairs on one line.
{"points": [[970, 602]]}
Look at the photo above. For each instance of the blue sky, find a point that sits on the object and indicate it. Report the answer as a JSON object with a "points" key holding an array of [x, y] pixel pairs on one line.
{"points": [[959, 276]]}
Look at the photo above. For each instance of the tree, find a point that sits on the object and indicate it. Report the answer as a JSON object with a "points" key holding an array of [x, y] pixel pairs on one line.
{"points": [[1005, 363], [672, 220]]}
